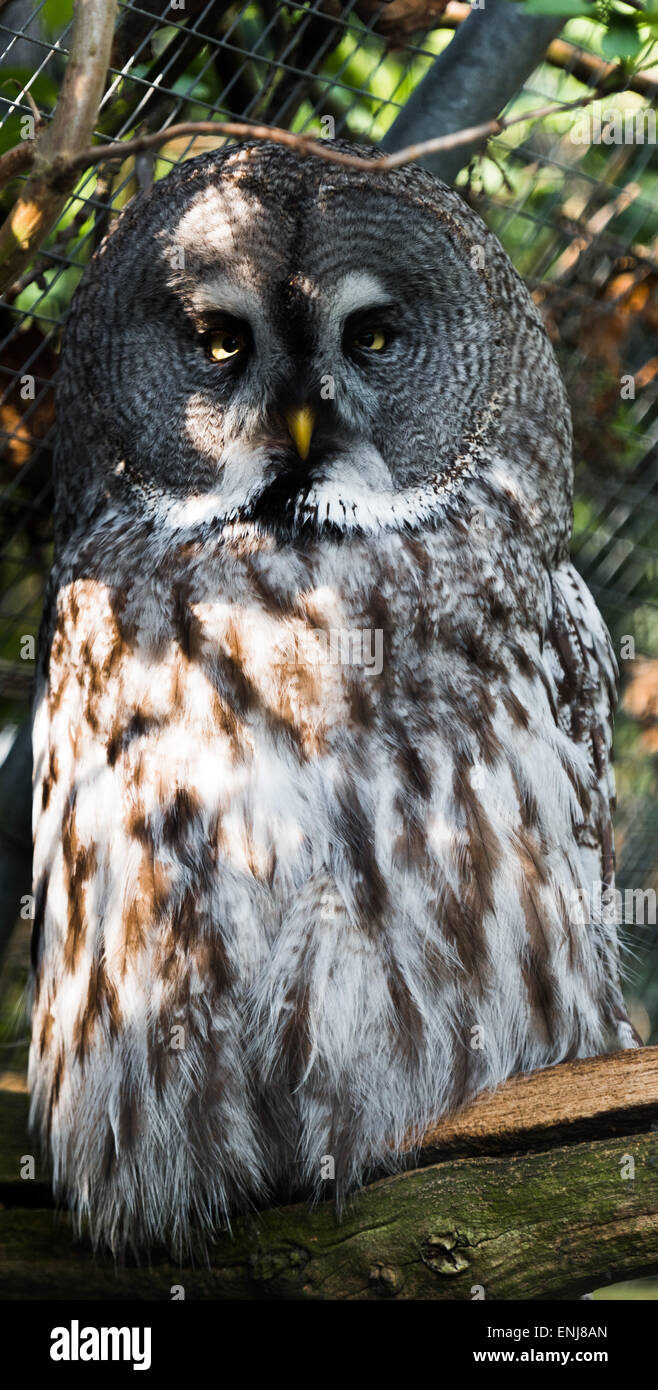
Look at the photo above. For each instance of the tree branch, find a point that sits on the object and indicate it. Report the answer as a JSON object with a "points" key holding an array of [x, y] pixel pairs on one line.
{"points": [[512, 1200], [43, 196], [586, 67], [492, 54], [568, 57], [587, 1099], [64, 166]]}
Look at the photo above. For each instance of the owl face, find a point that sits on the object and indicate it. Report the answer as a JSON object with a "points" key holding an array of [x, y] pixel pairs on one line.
{"points": [[271, 338]]}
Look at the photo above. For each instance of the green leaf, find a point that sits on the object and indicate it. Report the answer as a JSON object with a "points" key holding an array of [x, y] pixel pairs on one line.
{"points": [[570, 8], [621, 39], [55, 15]]}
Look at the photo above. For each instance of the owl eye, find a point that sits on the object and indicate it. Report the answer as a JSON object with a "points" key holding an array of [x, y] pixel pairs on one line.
{"points": [[225, 344], [369, 340]]}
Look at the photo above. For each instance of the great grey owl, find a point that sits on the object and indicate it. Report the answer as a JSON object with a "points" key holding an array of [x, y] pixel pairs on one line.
{"points": [[323, 715]]}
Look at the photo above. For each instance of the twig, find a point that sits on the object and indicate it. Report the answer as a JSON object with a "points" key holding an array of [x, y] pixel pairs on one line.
{"points": [[63, 166], [586, 67], [24, 91], [16, 161]]}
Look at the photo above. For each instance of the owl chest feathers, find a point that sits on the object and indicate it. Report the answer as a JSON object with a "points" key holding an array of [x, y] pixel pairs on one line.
{"points": [[229, 730]]}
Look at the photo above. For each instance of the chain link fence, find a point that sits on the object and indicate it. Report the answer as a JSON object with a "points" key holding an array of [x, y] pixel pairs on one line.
{"points": [[576, 207]]}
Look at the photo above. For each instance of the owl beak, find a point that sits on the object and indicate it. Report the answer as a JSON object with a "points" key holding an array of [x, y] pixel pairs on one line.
{"points": [[301, 423]]}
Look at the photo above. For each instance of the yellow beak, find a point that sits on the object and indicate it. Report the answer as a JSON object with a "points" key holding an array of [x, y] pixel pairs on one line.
{"points": [[301, 423]]}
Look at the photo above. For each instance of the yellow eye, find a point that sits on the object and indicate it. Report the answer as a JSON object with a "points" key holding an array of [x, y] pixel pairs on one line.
{"points": [[223, 345], [370, 340]]}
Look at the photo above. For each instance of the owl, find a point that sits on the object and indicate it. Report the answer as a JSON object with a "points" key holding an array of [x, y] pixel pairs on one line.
{"points": [[322, 725]]}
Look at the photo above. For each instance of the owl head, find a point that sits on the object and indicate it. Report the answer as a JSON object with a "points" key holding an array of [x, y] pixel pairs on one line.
{"points": [[270, 339]]}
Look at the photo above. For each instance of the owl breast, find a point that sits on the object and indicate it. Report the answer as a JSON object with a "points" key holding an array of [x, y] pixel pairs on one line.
{"points": [[305, 869]]}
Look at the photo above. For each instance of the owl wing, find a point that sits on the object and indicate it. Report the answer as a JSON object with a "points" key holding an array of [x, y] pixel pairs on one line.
{"points": [[580, 655]]}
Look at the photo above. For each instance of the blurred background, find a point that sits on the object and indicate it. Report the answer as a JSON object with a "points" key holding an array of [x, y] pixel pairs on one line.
{"points": [[578, 216]]}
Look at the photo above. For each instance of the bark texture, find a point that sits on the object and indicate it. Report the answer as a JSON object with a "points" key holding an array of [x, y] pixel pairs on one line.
{"points": [[548, 1189]]}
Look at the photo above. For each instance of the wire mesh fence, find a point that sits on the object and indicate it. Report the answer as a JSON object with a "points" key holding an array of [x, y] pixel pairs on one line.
{"points": [[578, 215]]}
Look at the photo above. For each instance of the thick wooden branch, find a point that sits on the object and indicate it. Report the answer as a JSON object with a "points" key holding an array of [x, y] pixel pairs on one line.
{"points": [[547, 1189], [588, 1099], [52, 153], [484, 66], [579, 62]]}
